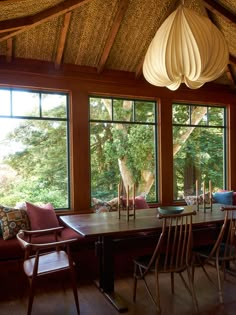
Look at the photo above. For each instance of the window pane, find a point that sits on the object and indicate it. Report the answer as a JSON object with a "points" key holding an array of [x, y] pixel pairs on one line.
{"points": [[180, 114], [5, 103], [124, 150], [216, 116], [123, 110], [100, 108], [199, 115], [25, 103], [53, 105], [144, 111], [199, 152], [34, 161]]}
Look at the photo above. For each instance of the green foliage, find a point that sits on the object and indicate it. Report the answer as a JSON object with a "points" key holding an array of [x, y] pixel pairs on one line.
{"points": [[40, 162]]}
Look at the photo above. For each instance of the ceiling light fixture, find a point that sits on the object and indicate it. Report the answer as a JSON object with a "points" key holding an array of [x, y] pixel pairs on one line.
{"points": [[187, 48]]}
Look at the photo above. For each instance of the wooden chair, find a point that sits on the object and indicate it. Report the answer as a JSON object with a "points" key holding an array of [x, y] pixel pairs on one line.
{"points": [[171, 255], [47, 258], [222, 252]]}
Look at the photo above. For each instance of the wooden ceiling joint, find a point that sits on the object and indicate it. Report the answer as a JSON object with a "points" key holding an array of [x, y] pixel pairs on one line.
{"points": [[62, 40], [9, 50], [39, 18], [217, 8], [112, 34]]}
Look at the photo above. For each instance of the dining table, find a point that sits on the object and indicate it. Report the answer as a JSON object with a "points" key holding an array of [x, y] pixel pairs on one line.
{"points": [[107, 227]]}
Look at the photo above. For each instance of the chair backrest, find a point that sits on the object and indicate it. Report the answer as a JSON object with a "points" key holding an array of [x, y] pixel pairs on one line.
{"points": [[25, 239], [227, 235], [174, 246]]}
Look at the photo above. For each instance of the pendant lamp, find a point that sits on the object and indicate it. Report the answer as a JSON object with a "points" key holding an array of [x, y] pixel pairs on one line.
{"points": [[187, 48]]}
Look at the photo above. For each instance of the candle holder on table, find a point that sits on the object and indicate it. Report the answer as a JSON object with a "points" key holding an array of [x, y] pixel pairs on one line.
{"points": [[127, 209], [201, 199]]}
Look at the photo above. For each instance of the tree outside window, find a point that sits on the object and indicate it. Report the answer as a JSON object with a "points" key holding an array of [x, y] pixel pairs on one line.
{"points": [[123, 147], [34, 148], [199, 149]]}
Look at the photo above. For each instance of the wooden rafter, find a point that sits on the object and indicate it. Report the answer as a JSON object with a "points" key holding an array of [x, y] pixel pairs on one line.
{"points": [[22, 24], [62, 40], [112, 34], [217, 8], [9, 50], [139, 69]]}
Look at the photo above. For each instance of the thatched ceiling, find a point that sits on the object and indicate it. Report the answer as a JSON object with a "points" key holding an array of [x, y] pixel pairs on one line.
{"points": [[98, 34]]}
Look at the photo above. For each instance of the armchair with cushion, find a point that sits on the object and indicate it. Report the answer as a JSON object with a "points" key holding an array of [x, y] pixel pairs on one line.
{"points": [[42, 259]]}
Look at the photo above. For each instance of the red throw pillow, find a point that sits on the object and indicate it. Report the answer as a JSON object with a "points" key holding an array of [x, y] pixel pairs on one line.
{"points": [[140, 202], [41, 217]]}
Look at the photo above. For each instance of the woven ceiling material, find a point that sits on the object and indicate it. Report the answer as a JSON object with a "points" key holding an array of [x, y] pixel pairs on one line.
{"points": [[16, 9], [140, 21], [88, 39], [229, 4], [88, 31], [40, 42], [229, 31]]}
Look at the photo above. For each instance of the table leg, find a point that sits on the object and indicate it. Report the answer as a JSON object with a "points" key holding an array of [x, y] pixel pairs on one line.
{"points": [[104, 248]]}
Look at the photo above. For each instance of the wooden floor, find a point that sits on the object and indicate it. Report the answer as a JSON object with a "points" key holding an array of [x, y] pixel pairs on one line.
{"points": [[55, 298]]}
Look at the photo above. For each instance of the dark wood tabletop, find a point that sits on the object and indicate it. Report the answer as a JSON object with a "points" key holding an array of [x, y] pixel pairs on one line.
{"points": [[146, 220]]}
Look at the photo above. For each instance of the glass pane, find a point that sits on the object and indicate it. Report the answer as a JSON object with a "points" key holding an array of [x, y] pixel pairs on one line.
{"points": [[144, 111], [180, 114], [216, 116], [199, 115], [33, 162], [100, 108], [123, 110], [200, 156], [126, 150], [25, 103], [5, 103], [53, 105]]}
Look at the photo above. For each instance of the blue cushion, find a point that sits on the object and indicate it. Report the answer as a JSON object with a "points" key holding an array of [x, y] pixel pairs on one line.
{"points": [[225, 198]]}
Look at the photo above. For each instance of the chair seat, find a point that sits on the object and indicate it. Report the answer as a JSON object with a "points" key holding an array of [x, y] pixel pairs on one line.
{"points": [[226, 252], [143, 262], [48, 262]]}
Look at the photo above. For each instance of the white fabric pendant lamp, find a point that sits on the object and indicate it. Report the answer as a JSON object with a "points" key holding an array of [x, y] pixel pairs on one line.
{"points": [[187, 48]]}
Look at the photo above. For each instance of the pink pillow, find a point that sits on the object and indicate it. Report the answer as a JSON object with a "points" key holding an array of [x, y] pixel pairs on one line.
{"points": [[41, 217], [140, 202]]}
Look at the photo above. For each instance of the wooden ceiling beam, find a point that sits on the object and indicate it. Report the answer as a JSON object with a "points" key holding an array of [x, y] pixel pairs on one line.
{"points": [[217, 8], [39, 18], [112, 34], [173, 6], [62, 40]]}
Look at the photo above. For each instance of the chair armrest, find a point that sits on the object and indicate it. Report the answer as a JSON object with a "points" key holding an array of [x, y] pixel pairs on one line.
{"points": [[42, 232]]}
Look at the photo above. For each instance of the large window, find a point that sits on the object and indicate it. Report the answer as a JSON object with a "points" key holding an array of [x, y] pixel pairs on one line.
{"points": [[123, 146], [199, 147], [34, 155]]}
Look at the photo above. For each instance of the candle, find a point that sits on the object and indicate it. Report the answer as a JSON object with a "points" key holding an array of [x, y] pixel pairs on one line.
{"points": [[196, 187], [118, 194], [133, 195], [127, 200], [210, 188]]}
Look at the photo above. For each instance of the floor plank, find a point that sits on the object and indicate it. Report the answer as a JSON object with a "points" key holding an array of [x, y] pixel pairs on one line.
{"points": [[54, 296]]}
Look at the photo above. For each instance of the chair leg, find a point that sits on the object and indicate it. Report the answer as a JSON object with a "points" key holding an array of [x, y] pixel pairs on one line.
{"points": [[158, 299], [135, 283], [75, 290], [172, 283], [219, 281], [192, 289], [31, 295]]}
